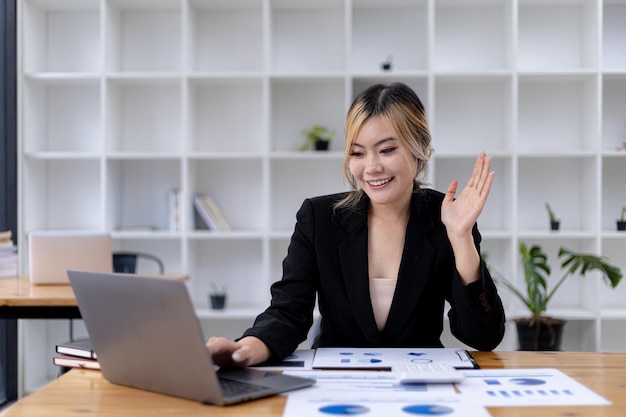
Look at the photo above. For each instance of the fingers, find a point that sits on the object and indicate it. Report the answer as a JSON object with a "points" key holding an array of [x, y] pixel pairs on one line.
{"points": [[451, 191], [482, 177]]}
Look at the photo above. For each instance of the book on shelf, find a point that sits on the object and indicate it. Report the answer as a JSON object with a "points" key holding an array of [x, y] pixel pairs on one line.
{"points": [[78, 348], [173, 199], [209, 213], [67, 361]]}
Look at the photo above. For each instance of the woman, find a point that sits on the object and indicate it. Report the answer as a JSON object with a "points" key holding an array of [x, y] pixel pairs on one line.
{"points": [[382, 259]]}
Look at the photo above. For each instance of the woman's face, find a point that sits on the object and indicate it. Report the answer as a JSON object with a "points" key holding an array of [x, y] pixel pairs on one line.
{"points": [[382, 166]]}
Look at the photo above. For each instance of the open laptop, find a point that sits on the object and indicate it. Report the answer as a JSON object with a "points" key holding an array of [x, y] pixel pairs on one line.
{"points": [[146, 335], [52, 253]]}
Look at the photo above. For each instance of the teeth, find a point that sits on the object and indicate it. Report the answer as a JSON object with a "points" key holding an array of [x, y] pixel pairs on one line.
{"points": [[379, 182]]}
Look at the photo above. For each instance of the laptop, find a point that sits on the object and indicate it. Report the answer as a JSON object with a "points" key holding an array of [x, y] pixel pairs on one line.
{"points": [[146, 335], [52, 253]]}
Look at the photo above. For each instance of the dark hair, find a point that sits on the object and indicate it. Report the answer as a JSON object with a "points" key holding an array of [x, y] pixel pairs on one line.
{"points": [[399, 107]]}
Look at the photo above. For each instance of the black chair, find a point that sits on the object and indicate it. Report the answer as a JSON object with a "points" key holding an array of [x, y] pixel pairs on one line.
{"points": [[126, 262]]}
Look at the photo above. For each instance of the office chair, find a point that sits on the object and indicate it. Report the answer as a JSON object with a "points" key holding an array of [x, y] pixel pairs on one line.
{"points": [[126, 262]]}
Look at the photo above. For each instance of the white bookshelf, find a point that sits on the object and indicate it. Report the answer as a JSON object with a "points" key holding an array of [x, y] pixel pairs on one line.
{"points": [[121, 101]]}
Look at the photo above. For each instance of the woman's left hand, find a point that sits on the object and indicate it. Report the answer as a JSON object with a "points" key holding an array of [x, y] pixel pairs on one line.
{"points": [[459, 215]]}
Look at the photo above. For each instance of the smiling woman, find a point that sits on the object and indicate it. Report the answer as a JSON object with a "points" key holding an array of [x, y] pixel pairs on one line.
{"points": [[382, 259]]}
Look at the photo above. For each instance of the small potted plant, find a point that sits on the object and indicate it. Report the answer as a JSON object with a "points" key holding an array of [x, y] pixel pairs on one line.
{"points": [[539, 331], [317, 136], [621, 222], [554, 222], [217, 296]]}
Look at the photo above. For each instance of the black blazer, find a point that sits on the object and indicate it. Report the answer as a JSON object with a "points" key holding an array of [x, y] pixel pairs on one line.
{"points": [[327, 257]]}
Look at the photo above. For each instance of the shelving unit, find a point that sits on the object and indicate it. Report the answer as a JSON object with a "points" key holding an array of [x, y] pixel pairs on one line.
{"points": [[122, 101]]}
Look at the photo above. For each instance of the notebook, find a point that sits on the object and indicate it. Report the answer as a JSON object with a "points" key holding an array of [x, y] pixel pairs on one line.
{"points": [[146, 335], [52, 253]]}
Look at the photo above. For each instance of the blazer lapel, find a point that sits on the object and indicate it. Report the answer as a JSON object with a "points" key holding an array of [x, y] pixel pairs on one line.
{"points": [[414, 269], [354, 266]]}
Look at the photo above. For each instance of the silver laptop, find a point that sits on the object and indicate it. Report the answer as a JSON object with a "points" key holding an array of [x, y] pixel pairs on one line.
{"points": [[52, 253], [146, 335]]}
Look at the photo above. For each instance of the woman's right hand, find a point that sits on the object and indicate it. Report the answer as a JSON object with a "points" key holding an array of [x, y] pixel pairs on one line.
{"points": [[245, 352]]}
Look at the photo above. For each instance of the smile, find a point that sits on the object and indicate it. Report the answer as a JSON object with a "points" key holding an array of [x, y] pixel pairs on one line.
{"points": [[378, 183]]}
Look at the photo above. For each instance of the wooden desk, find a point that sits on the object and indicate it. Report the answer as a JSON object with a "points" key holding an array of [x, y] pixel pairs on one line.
{"points": [[86, 392]]}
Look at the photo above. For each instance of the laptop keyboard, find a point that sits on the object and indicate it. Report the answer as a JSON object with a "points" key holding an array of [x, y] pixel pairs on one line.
{"points": [[231, 387]]}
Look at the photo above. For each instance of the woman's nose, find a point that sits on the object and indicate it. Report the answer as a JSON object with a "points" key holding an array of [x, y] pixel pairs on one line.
{"points": [[373, 164]]}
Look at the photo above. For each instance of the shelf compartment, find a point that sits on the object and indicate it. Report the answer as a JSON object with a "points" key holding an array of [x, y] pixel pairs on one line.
{"points": [[558, 35], [67, 193], [613, 115], [298, 104], [50, 121], [558, 113], [220, 262], [293, 180], [612, 335], [613, 191], [473, 36], [216, 110], [143, 116], [143, 36], [614, 33], [50, 41], [137, 193], [563, 182], [497, 214], [460, 125], [226, 36], [244, 188], [614, 299], [307, 36], [396, 30]]}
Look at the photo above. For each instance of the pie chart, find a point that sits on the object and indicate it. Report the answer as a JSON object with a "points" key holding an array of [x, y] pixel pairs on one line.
{"points": [[428, 410], [344, 409]]}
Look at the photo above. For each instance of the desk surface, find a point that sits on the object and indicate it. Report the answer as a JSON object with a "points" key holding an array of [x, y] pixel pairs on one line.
{"points": [[86, 392], [19, 292]]}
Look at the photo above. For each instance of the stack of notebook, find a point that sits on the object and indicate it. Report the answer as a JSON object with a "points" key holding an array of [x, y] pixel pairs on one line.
{"points": [[76, 354]]}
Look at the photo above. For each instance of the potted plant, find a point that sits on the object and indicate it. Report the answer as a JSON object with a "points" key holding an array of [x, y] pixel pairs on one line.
{"points": [[621, 223], [317, 136], [217, 296], [554, 222], [538, 331]]}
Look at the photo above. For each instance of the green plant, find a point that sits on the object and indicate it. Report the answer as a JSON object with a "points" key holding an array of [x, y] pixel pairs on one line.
{"points": [[314, 134], [537, 270], [623, 217], [551, 213]]}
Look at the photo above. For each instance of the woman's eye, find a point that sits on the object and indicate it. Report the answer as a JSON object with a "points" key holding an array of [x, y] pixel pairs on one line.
{"points": [[388, 150], [356, 153]]}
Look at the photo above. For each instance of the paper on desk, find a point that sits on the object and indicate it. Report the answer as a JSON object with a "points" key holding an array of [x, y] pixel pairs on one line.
{"points": [[364, 385], [302, 406], [300, 360], [384, 358], [374, 393], [525, 387]]}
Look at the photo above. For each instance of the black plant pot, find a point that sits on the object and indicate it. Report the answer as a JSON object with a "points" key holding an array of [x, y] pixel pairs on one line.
{"points": [[322, 145], [621, 225], [218, 301], [555, 225], [544, 334]]}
